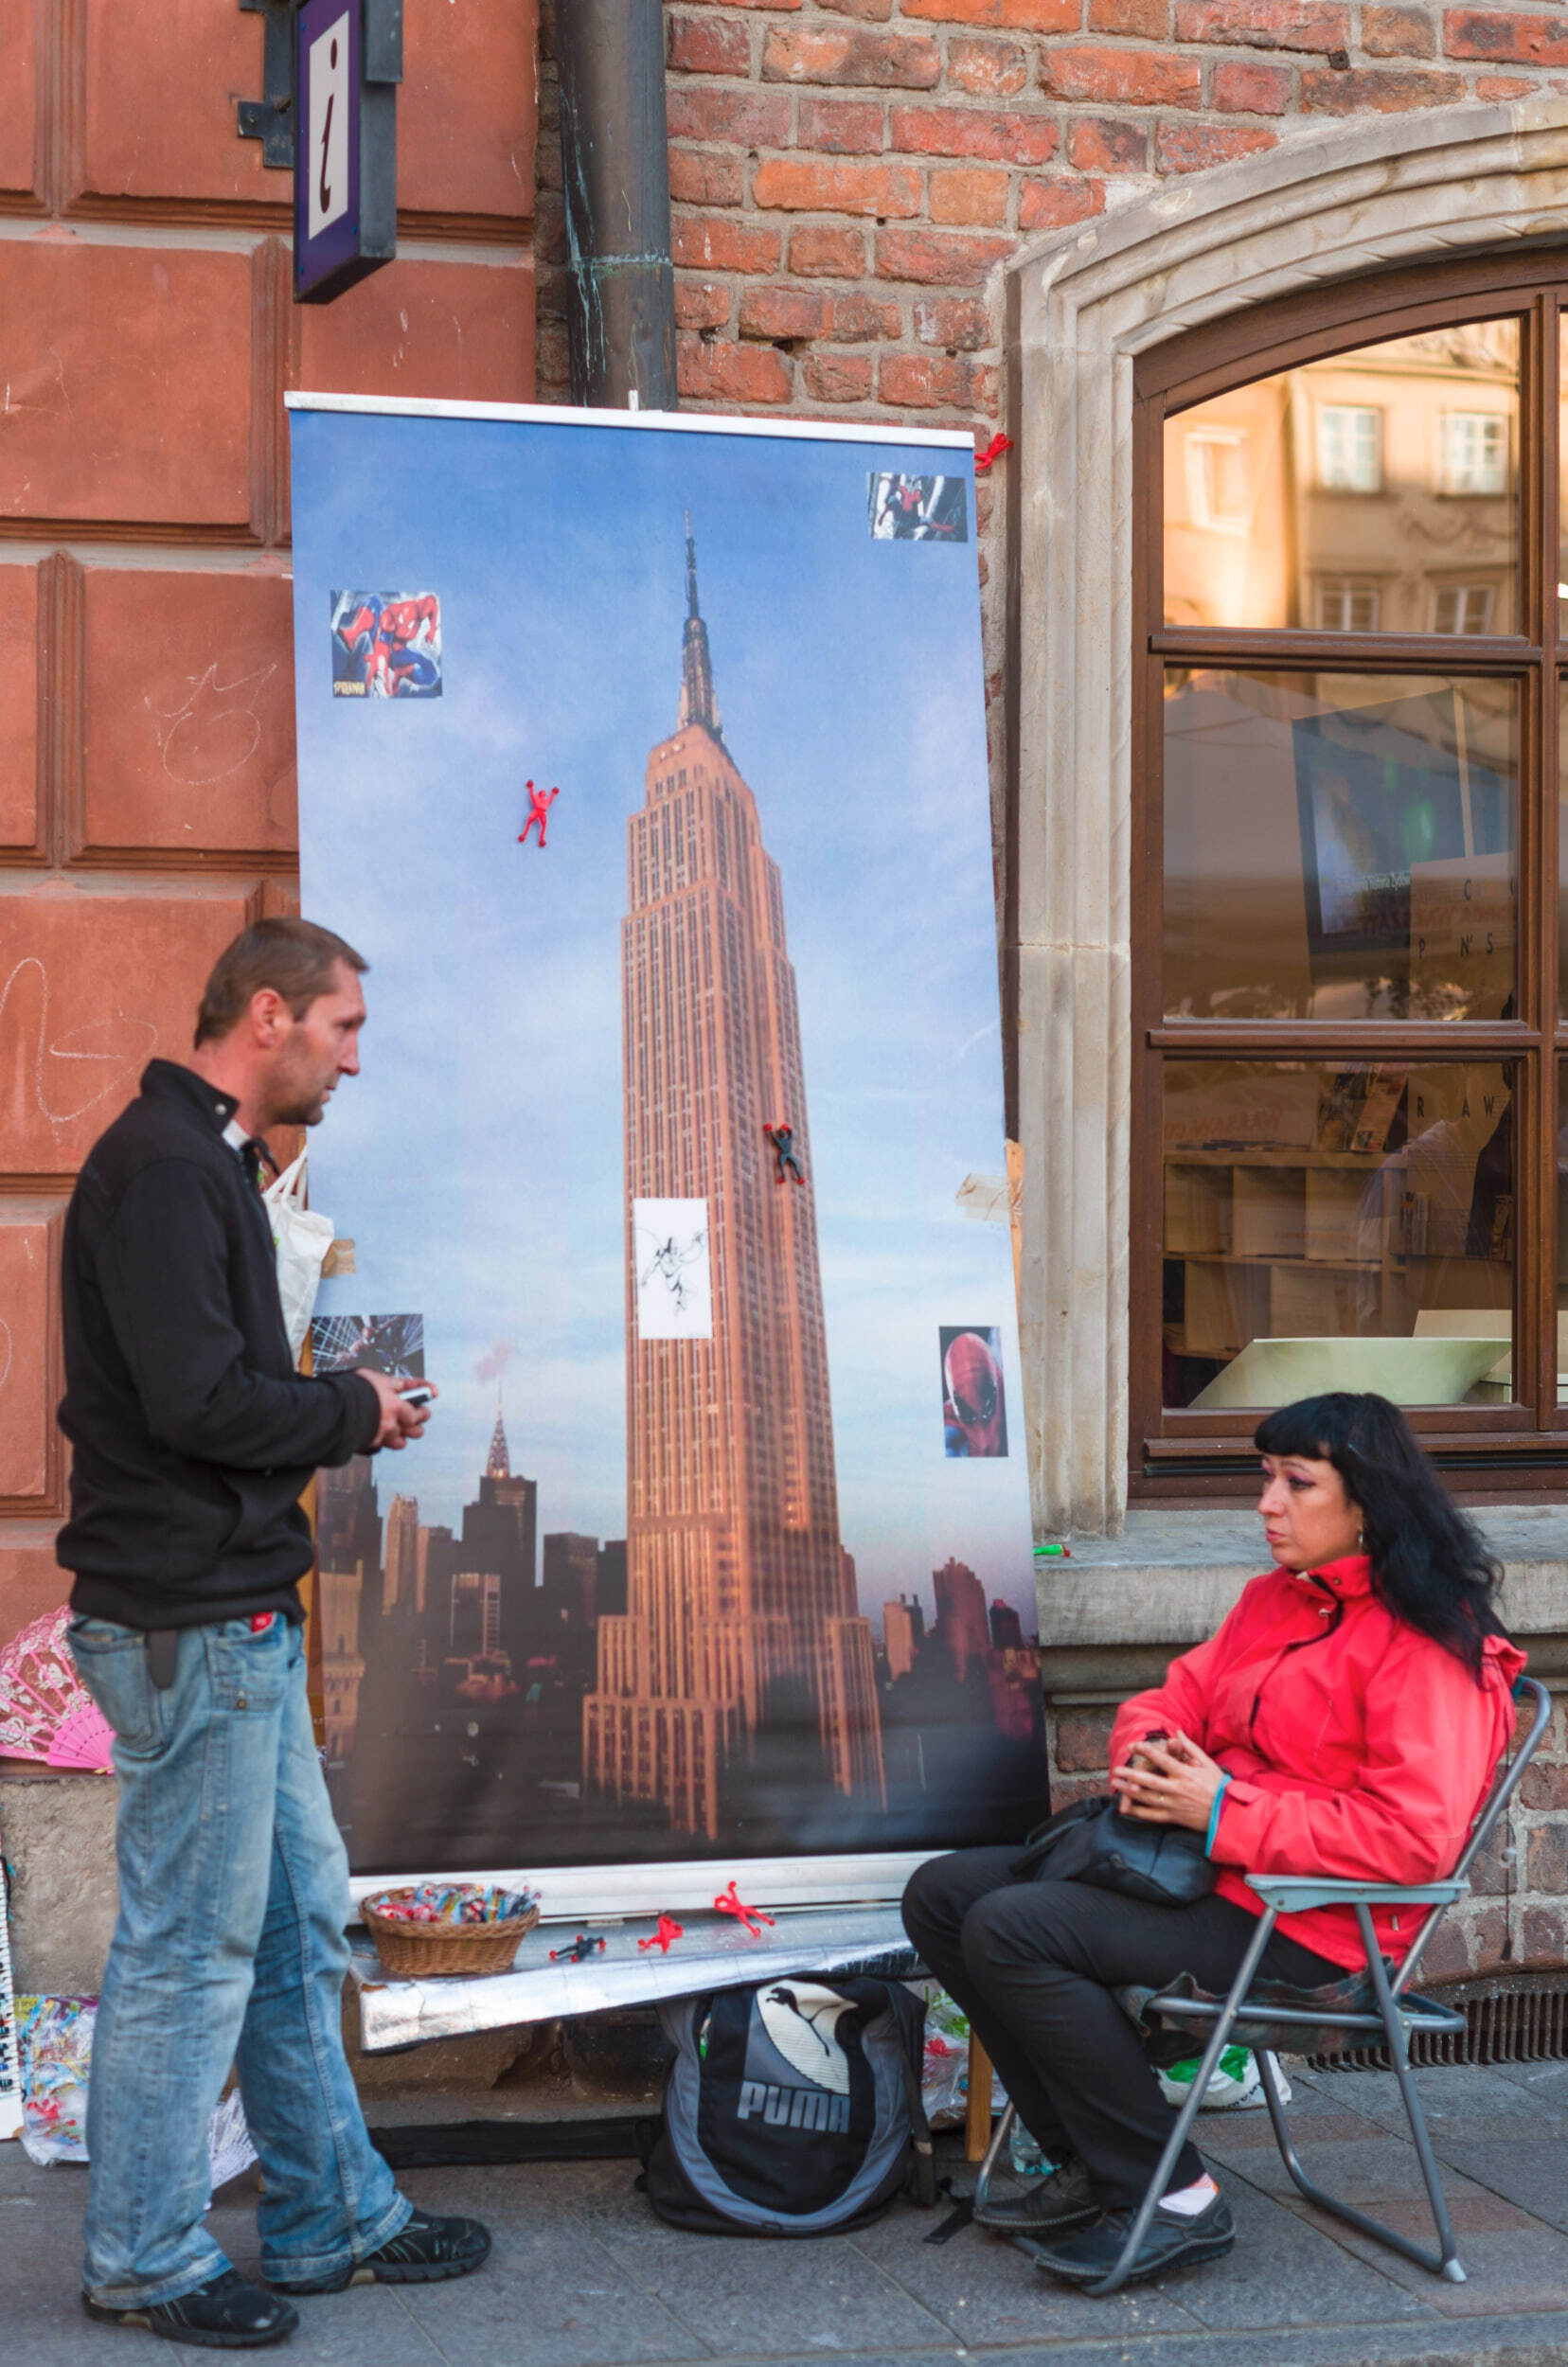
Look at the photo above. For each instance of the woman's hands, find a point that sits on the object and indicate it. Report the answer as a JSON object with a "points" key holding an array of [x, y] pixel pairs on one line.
{"points": [[1167, 1782]]}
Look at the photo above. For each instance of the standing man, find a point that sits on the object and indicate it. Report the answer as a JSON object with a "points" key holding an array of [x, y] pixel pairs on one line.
{"points": [[193, 1438]]}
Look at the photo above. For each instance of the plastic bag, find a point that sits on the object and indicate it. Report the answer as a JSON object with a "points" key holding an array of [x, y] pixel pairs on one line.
{"points": [[301, 1238], [944, 2075], [1236, 2085]]}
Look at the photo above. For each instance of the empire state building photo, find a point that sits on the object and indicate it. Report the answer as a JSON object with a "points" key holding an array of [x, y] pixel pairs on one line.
{"points": [[742, 1639]]}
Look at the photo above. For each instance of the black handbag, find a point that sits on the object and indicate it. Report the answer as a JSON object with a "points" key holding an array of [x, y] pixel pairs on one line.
{"points": [[1091, 1842]]}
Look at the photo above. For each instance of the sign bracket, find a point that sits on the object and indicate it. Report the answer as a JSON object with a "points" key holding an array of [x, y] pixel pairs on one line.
{"points": [[269, 118]]}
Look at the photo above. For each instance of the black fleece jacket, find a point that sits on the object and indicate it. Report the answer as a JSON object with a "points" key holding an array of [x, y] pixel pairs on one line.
{"points": [[194, 1434]]}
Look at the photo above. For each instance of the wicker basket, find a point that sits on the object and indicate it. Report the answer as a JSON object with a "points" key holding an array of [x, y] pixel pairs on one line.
{"points": [[424, 1952]]}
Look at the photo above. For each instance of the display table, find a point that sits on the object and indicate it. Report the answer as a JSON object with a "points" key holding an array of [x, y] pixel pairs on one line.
{"points": [[714, 1951]]}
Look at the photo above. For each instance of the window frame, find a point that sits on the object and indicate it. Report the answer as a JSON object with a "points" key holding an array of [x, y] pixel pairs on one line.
{"points": [[1174, 1454]]}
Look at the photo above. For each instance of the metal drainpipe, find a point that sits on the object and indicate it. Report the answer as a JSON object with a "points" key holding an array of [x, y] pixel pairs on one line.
{"points": [[613, 141]]}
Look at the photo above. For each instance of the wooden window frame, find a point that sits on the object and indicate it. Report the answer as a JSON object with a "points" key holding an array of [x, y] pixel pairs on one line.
{"points": [[1490, 1453]]}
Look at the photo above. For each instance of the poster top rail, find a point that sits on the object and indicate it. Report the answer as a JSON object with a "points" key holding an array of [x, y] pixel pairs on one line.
{"points": [[681, 422]]}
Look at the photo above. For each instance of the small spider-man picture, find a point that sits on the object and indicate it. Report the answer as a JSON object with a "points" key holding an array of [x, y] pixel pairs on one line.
{"points": [[387, 644], [974, 1405]]}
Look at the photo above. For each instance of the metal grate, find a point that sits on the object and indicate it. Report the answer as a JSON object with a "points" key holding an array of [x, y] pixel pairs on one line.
{"points": [[1513, 2024]]}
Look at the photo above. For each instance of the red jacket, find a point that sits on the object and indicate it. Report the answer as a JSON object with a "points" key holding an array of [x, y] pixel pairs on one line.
{"points": [[1357, 1747]]}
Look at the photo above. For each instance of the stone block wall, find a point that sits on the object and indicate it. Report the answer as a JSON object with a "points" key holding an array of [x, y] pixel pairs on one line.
{"points": [[1516, 1918], [147, 758]]}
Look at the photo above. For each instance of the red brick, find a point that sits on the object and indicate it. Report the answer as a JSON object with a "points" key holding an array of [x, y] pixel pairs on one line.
{"points": [[987, 69], [1193, 146], [833, 53], [1398, 32], [462, 332], [859, 318], [750, 118], [28, 1364], [1101, 144], [1245, 89], [838, 377], [698, 177], [1505, 36], [1447, 1957], [1546, 1937], [94, 985], [126, 373], [698, 304], [708, 45], [781, 7], [939, 258], [799, 185], [1546, 1859], [32, 1581], [1324, 92], [1504, 86], [969, 193], [19, 814], [1125, 77], [1013, 139], [1019, 16], [202, 758], [840, 127], [17, 60], [877, 10], [780, 311], [713, 370], [1321, 25], [958, 322], [466, 108], [827, 253], [1084, 1740], [709, 242], [1149, 18], [1051, 204], [1544, 1785]]}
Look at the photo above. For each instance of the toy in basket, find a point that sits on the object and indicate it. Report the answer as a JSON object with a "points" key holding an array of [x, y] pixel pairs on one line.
{"points": [[437, 1929]]}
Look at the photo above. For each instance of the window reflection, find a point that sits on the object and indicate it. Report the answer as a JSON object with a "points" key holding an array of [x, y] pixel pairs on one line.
{"points": [[1338, 1224], [1370, 492], [1339, 846]]}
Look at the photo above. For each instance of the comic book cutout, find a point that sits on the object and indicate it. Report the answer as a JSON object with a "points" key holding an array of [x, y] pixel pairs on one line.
{"points": [[393, 1345], [917, 508], [387, 644]]}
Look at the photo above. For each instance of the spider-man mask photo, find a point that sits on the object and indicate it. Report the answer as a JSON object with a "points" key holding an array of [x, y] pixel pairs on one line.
{"points": [[973, 1410]]}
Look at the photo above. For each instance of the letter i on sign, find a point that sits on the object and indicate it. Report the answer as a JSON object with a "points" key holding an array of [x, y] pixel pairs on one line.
{"points": [[328, 126]]}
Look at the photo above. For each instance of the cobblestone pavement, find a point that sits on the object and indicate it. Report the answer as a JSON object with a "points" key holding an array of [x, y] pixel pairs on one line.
{"points": [[583, 2275]]}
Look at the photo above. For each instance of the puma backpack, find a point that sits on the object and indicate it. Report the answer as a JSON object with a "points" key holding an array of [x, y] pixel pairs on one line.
{"points": [[792, 2108]]}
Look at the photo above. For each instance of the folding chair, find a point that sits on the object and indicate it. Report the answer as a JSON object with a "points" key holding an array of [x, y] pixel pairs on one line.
{"points": [[1393, 2021]]}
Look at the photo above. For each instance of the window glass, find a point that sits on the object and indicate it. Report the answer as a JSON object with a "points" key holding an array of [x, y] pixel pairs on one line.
{"points": [[1391, 467], [1339, 846], [1369, 1204]]}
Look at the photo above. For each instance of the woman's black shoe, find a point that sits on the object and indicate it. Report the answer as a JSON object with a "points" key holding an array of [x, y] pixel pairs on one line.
{"points": [[423, 2252], [1053, 2207], [228, 2313], [1175, 2240]]}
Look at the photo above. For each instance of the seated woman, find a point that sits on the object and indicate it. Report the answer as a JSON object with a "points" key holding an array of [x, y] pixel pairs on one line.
{"points": [[1345, 1720]]}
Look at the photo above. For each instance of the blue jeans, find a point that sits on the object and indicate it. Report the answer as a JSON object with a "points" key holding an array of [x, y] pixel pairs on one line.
{"points": [[230, 1949]]}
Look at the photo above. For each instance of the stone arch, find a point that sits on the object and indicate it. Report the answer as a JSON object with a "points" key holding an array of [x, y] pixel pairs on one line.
{"points": [[1081, 307]]}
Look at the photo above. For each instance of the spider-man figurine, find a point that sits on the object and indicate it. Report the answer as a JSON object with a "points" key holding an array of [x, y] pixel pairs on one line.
{"points": [[782, 1139]]}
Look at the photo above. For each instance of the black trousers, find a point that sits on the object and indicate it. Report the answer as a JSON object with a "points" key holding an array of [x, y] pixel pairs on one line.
{"points": [[1034, 1963]]}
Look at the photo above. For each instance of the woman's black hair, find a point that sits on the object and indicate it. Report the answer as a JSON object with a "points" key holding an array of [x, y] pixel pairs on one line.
{"points": [[1429, 1565]]}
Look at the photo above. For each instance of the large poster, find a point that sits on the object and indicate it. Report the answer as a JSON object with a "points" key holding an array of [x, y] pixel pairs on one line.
{"points": [[644, 761]]}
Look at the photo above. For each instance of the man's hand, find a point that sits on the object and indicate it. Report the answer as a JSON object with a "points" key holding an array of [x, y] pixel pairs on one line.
{"points": [[400, 1420], [1167, 1783]]}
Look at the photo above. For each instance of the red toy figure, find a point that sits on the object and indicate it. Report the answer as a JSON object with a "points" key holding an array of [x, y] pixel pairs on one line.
{"points": [[540, 802], [782, 1139], [669, 1929], [580, 1949], [730, 1903]]}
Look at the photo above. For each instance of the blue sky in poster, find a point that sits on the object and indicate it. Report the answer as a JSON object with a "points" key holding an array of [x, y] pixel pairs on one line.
{"points": [[477, 1162]]}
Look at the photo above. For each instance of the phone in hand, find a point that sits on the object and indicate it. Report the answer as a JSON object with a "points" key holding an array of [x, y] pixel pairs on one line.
{"points": [[420, 1396]]}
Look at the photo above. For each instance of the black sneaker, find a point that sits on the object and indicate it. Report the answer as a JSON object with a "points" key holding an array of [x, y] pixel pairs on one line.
{"points": [[423, 2252], [1052, 2207], [228, 2313], [1176, 2239]]}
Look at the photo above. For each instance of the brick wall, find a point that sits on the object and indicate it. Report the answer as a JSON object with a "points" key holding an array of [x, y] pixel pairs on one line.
{"points": [[146, 774], [847, 174], [1516, 1918]]}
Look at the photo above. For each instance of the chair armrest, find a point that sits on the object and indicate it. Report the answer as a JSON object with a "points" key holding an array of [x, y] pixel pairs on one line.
{"points": [[1289, 1894]]}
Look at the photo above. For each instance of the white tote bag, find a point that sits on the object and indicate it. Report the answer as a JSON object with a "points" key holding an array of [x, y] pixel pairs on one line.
{"points": [[302, 1239]]}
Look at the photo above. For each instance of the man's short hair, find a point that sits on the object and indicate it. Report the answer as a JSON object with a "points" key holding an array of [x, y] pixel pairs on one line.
{"points": [[293, 957]]}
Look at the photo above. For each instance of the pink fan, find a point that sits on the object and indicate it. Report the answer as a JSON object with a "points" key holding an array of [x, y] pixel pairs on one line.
{"points": [[41, 1694], [86, 1741]]}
